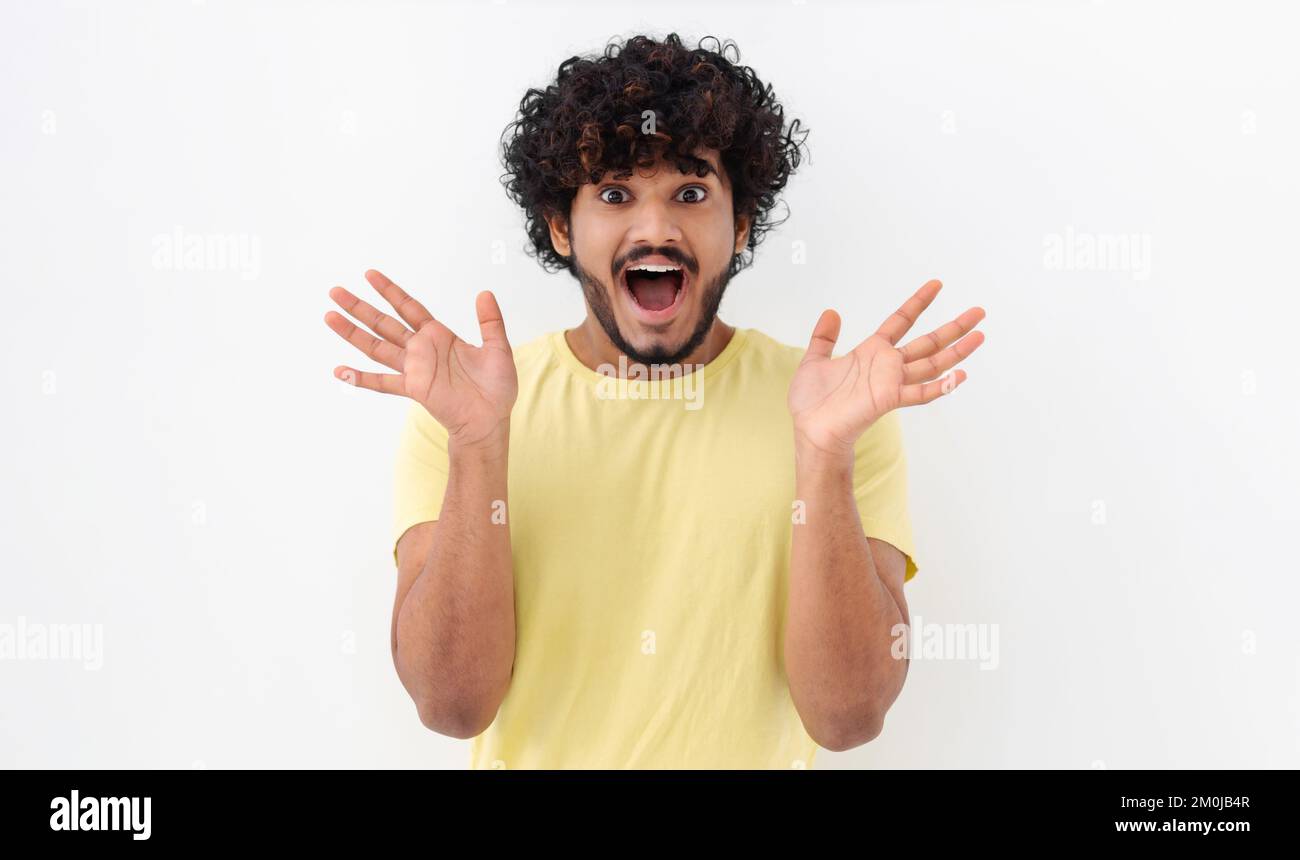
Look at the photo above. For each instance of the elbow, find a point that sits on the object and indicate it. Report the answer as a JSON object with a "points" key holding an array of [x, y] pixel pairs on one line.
{"points": [[460, 723], [455, 720], [846, 733], [853, 720], [449, 708]]}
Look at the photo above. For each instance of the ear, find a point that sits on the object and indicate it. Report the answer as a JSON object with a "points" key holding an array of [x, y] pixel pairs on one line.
{"points": [[559, 234], [742, 232]]}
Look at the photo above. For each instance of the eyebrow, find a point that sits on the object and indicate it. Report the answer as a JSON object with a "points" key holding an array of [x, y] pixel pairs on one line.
{"points": [[624, 175], [712, 171]]}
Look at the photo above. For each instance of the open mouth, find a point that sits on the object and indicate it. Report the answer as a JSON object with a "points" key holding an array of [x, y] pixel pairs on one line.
{"points": [[656, 290]]}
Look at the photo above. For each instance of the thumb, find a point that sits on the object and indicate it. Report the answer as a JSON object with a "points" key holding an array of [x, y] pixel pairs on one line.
{"points": [[824, 335], [490, 324]]}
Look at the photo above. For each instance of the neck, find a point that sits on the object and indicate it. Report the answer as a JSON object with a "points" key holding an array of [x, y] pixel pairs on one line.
{"points": [[592, 347]]}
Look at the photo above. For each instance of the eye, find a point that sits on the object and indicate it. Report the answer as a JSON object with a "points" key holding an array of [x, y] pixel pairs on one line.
{"points": [[614, 189], [700, 191]]}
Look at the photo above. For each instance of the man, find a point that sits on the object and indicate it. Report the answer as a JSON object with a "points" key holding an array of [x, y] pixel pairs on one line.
{"points": [[653, 540]]}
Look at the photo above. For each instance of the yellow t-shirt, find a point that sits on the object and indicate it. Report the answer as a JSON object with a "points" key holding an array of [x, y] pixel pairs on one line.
{"points": [[650, 525]]}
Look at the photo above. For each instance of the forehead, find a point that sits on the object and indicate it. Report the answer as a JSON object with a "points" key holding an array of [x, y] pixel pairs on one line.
{"points": [[666, 170]]}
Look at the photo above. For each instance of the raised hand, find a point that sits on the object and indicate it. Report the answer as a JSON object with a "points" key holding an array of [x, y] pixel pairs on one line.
{"points": [[468, 389], [834, 400]]}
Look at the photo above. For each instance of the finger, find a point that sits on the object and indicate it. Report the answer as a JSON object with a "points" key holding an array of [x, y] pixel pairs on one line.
{"points": [[928, 368], [824, 335], [407, 308], [380, 350], [902, 319], [380, 323], [929, 344], [490, 324], [422, 356], [915, 395], [387, 383]]}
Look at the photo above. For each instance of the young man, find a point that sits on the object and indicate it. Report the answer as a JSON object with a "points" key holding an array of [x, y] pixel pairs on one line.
{"points": [[653, 540]]}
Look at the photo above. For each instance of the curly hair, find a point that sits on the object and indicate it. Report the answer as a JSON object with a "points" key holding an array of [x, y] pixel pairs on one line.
{"points": [[591, 120]]}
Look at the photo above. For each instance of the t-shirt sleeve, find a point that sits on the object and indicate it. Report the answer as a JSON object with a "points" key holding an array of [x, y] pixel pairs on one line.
{"points": [[880, 486], [420, 475]]}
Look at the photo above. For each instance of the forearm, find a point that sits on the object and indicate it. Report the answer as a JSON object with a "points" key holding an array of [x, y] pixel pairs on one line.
{"points": [[456, 627], [840, 616]]}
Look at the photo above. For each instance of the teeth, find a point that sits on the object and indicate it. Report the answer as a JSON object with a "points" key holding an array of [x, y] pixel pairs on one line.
{"points": [[647, 267]]}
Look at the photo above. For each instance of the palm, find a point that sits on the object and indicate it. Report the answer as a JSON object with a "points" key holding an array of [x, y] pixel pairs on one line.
{"points": [[833, 400], [470, 390], [838, 398]]}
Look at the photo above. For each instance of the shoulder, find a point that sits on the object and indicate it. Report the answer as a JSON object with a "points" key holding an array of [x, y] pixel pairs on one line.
{"points": [[532, 351], [535, 357], [768, 353]]}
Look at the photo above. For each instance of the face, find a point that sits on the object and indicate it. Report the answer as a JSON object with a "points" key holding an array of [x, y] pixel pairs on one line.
{"points": [[652, 253]]}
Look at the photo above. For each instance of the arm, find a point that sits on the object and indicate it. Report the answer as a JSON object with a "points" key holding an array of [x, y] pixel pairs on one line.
{"points": [[846, 596], [453, 632], [846, 589], [453, 626]]}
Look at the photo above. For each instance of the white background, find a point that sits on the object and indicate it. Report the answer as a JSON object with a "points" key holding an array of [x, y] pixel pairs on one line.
{"points": [[1114, 486]]}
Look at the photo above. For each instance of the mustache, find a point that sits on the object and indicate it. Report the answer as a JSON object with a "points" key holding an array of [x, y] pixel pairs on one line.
{"points": [[679, 257]]}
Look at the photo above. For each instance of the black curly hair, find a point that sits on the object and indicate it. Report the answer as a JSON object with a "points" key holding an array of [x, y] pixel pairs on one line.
{"points": [[591, 118]]}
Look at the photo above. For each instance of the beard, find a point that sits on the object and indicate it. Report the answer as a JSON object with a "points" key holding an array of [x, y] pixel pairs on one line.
{"points": [[598, 300]]}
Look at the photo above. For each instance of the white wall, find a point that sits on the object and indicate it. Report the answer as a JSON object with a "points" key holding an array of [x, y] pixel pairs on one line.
{"points": [[1114, 487]]}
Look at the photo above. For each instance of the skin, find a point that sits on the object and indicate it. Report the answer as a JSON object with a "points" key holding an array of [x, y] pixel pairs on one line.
{"points": [[665, 212], [453, 627], [846, 589], [453, 633]]}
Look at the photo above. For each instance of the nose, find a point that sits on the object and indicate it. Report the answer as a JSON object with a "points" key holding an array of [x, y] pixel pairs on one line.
{"points": [[654, 224]]}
